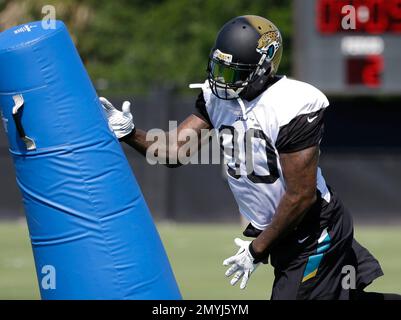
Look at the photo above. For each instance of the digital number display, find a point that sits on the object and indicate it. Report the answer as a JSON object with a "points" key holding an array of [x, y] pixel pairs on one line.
{"points": [[365, 71], [371, 16], [349, 47]]}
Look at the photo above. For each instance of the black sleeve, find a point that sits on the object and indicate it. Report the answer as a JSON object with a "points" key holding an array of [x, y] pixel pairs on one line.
{"points": [[302, 132], [200, 109]]}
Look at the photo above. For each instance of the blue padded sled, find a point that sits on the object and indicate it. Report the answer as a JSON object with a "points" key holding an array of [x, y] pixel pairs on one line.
{"points": [[92, 234]]}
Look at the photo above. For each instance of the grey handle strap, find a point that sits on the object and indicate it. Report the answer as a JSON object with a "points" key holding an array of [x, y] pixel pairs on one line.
{"points": [[18, 107]]}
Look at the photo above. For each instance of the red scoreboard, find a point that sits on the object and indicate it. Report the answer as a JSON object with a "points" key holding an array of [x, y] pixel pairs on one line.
{"points": [[371, 16], [349, 47]]}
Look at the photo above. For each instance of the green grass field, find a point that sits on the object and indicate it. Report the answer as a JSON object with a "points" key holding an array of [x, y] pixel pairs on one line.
{"points": [[196, 252]]}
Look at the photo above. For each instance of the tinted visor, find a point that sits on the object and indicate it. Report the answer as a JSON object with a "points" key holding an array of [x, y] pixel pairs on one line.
{"points": [[233, 75]]}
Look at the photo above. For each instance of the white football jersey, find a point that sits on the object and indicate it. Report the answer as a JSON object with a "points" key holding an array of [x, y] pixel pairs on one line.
{"points": [[286, 117]]}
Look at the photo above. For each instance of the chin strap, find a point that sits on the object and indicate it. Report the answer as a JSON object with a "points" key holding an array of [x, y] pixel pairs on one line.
{"points": [[243, 108]]}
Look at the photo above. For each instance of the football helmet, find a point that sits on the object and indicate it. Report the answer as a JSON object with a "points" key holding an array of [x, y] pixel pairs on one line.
{"points": [[246, 54]]}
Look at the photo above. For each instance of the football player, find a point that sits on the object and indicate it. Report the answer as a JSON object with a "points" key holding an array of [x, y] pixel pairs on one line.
{"points": [[271, 130]]}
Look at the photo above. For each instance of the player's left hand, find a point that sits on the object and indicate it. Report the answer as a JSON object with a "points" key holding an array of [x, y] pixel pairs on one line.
{"points": [[242, 263], [120, 121]]}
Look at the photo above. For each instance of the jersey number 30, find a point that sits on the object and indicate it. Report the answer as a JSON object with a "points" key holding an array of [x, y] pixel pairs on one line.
{"points": [[249, 137]]}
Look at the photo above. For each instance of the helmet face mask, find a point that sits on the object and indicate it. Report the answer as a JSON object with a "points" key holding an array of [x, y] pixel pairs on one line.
{"points": [[227, 80], [247, 49]]}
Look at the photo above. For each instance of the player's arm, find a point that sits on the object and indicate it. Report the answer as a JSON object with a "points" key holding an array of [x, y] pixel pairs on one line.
{"points": [[299, 170], [298, 146], [169, 148]]}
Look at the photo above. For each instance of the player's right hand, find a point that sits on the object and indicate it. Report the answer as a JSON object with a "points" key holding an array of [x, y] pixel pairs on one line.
{"points": [[242, 263], [120, 121]]}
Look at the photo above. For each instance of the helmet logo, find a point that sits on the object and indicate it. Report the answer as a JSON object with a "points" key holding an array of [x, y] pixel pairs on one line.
{"points": [[217, 54], [267, 39]]}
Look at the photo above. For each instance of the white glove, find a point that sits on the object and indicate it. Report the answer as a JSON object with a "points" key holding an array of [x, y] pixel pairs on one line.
{"points": [[120, 121], [242, 263]]}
